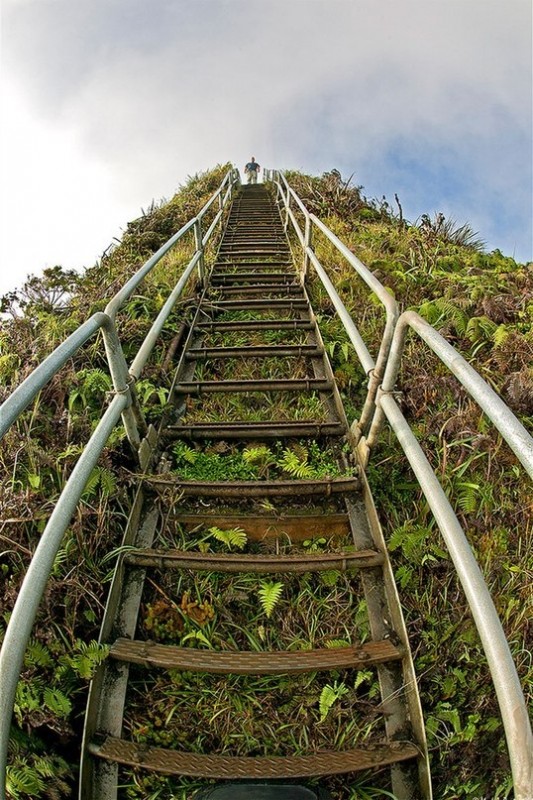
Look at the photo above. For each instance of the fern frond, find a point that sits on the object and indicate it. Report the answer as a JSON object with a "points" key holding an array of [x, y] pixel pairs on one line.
{"points": [[329, 696], [269, 595], [235, 537]]}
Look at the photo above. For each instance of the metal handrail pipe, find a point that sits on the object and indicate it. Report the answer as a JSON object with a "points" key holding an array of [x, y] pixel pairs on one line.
{"points": [[296, 227], [23, 616], [391, 316], [22, 396], [125, 293], [360, 347], [500, 415], [212, 227], [503, 671], [291, 191], [150, 340], [127, 290]]}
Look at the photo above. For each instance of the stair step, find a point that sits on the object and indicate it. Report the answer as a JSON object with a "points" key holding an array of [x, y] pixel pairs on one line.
{"points": [[261, 564], [220, 489], [150, 654], [260, 288], [223, 278], [277, 429], [275, 385], [325, 762], [257, 325], [268, 527], [260, 351], [270, 303]]}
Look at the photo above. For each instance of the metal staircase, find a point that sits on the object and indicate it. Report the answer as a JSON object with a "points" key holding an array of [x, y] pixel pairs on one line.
{"points": [[252, 374]]}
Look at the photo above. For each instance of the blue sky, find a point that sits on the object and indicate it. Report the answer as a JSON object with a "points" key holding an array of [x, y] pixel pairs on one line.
{"points": [[107, 104]]}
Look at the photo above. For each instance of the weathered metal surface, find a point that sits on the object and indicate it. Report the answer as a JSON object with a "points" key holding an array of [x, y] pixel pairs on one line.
{"points": [[325, 762], [265, 564], [151, 654], [250, 351], [276, 385], [264, 527], [290, 488], [255, 430]]}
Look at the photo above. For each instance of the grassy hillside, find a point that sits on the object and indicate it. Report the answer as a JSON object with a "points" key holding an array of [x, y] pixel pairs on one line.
{"points": [[483, 304]]}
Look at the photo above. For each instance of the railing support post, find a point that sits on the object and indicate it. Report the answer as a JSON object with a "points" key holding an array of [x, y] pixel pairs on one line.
{"points": [[123, 384], [308, 242], [199, 249]]}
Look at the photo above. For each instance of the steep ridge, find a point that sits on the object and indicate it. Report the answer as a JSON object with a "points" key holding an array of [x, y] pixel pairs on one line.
{"points": [[253, 624]]}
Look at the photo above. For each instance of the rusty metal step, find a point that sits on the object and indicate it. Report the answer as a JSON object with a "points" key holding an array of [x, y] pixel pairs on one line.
{"points": [[151, 654], [263, 351], [251, 304], [198, 388], [277, 429], [224, 278], [258, 564], [255, 264], [265, 527], [324, 762], [257, 325], [261, 289], [290, 488]]}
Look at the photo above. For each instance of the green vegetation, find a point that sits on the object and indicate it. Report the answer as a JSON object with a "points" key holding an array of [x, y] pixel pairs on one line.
{"points": [[480, 301]]}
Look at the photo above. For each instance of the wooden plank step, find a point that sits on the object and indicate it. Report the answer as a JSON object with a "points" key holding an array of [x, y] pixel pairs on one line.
{"points": [[260, 564], [277, 429], [290, 488], [275, 385], [268, 527], [324, 762], [259, 351], [151, 654]]}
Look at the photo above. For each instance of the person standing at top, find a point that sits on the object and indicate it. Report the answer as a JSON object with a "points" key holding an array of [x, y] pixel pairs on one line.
{"points": [[251, 169]]}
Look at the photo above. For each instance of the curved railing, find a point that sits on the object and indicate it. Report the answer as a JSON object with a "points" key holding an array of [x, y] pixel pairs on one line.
{"points": [[123, 404], [380, 404]]}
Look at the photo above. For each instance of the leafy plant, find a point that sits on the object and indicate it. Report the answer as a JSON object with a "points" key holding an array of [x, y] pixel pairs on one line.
{"points": [[269, 595], [235, 537], [329, 695]]}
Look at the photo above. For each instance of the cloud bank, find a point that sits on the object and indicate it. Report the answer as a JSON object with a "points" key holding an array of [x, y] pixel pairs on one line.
{"points": [[430, 100]]}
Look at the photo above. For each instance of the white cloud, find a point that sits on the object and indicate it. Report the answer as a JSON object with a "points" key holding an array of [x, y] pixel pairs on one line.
{"points": [[153, 92]]}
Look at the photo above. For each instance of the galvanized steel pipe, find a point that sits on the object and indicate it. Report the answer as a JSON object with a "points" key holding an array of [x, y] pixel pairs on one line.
{"points": [[503, 671], [28, 600]]}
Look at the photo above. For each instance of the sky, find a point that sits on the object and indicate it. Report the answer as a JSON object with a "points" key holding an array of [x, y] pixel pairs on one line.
{"points": [[109, 104]]}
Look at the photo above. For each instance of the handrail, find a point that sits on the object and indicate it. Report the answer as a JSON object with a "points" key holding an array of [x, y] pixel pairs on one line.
{"points": [[497, 411], [374, 369], [502, 668], [23, 615]]}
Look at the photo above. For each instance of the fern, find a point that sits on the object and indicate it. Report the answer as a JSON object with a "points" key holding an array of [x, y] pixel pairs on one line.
{"points": [[185, 453], [23, 781], [269, 595], [235, 537], [333, 644], [57, 702], [37, 655], [89, 657], [295, 465], [101, 478], [329, 696]]}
